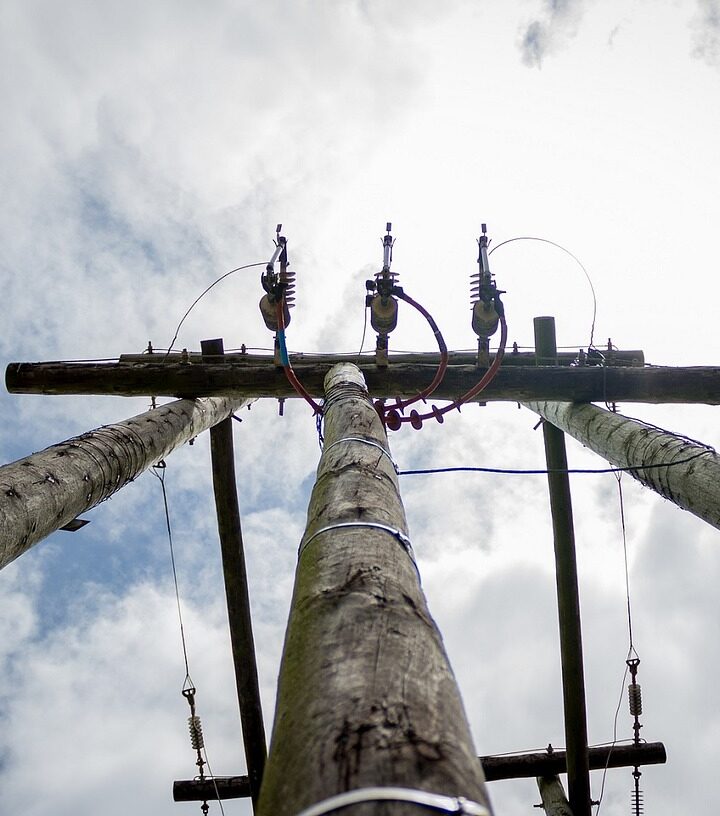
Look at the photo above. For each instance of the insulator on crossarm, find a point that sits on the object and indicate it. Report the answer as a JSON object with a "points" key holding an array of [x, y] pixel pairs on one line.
{"points": [[636, 802], [196, 733], [287, 280], [635, 699]]}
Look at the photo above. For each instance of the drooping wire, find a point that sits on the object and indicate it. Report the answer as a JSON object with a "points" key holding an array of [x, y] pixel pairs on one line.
{"points": [[541, 471], [574, 257], [442, 367], [202, 295]]}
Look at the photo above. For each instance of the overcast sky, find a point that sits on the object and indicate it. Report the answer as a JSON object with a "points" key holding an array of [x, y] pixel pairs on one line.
{"points": [[146, 148]]}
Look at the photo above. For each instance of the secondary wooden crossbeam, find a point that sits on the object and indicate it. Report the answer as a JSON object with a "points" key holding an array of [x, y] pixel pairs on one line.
{"points": [[254, 376], [515, 766]]}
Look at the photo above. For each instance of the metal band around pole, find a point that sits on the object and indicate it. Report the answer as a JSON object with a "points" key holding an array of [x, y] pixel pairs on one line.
{"points": [[431, 801]]}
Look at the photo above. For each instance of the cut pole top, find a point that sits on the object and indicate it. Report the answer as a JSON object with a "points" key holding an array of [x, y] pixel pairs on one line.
{"points": [[344, 374]]}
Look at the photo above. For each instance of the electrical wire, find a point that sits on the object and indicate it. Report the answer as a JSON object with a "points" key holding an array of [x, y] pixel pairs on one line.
{"points": [[362, 341], [440, 373], [161, 467], [285, 360], [574, 257], [187, 683], [631, 646], [614, 740], [202, 295], [538, 471]]}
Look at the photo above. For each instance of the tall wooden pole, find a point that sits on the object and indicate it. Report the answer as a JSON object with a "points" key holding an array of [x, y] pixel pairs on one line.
{"points": [[573, 677], [45, 491], [366, 697], [681, 471], [236, 592]]}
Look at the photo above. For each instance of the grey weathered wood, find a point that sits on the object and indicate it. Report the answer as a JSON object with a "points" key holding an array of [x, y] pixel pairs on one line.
{"points": [[514, 766], [263, 379], [43, 492], [627, 443], [553, 797], [365, 694]]}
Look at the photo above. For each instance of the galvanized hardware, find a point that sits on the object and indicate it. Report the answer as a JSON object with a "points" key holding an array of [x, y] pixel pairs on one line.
{"points": [[279, 286], [365, 442], [376, 525], [431, 801]]}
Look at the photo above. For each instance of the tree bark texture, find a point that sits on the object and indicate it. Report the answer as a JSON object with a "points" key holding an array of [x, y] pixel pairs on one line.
{"points": [[45, 491], [512, 383], [553, 797], [366, 696], [693, 485]]}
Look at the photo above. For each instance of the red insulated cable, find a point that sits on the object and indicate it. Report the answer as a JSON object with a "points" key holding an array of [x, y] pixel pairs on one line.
{"points": [[289, 373], [440, 373], [436, 413]]}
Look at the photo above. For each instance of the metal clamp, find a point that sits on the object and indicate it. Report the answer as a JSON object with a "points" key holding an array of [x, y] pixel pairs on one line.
{"points": [[366, 442], [398, 534], [432, 801]]}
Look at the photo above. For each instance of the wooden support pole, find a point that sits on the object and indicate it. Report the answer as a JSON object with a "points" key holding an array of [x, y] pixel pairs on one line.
{"points": [[553, 797], [236, 591], [693, 485], [254, 379], [45, 491], [517, 766], [573, 677], [366, 697]]}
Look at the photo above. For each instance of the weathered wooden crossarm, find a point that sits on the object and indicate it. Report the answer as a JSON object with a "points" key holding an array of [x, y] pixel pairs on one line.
{"points": [[518, 766], [254, 378]]}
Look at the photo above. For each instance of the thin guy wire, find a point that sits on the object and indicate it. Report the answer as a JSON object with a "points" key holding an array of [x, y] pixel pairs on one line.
{"points": [[574, 257], [615, 739], [214, 781], [161, 479], [631, 647], [202, 294]]}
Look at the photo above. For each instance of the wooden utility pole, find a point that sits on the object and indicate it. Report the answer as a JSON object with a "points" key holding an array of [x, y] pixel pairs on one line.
{"points": [[236, 591], [46, 491], [573, 676], [681, 471], [367, 702]]}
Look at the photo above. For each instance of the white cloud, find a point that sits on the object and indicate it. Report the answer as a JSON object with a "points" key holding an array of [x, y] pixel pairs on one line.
{"points": [[706, 28]]}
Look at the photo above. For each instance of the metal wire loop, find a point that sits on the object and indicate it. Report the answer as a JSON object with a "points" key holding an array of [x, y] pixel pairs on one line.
{"points": [[365, 442], [431, 801], [398, 534]]}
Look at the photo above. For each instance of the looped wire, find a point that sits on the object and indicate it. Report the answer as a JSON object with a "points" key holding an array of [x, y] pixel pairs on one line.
{"points": [[366, 442], [431, 801], [376, 525]]}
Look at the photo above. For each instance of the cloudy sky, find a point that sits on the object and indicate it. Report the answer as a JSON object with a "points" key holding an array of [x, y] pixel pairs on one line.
{"points": [[149, 147]]}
